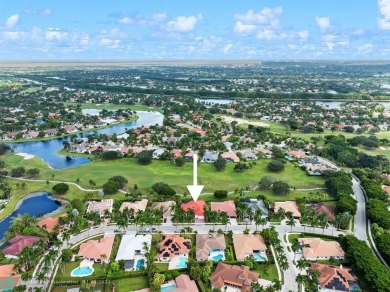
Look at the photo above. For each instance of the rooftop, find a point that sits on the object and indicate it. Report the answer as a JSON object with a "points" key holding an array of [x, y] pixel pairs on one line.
{"points": [[246, 243], [320, 248], [227, 206], [15, 245], [205, 242], [94, 249], [136, 206], [197, 206], [288, 206], [334, 278], [132, 244]]}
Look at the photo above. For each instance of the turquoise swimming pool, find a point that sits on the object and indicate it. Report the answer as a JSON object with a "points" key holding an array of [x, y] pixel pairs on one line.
{"points": [[139, 265], [167, 288], [259, 257], [81, 272], [218, 257], [183, 263]]}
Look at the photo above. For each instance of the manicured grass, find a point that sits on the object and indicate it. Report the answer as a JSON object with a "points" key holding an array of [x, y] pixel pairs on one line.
{"points": [[109, 106], [162, 267], [69, 267], [376, 151], [267, 272], [177, 177], [129, 284]]}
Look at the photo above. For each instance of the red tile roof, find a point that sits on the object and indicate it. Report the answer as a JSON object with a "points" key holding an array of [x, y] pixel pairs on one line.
{"points": [[15, 245], [197, 206], [333, 277], [7, 273], [238, 276], [228, 206]]}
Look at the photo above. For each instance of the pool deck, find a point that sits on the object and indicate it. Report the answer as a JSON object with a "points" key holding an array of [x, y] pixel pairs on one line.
{"points": [[169, 283], [174, 263], [216, 253]]}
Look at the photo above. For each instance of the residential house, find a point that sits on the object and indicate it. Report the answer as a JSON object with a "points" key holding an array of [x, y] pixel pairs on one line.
{"points": [[266, 153], [173, 245], [157, 153], [136, 206], [210, 157], [326, 209], [199, 131], [288, 206], [166, 209], [189, 156], [9, 278], [197, 206], [49, 223], [255, 204], [317, 249], [227, 206], [100, 207], [97, 250], [295, 154], [184, 284], [176, 153], [335, 278], [210, 247], [132, 250], [230, 157], [13, 247], [247, 245], [248, 155], [234, 277]]}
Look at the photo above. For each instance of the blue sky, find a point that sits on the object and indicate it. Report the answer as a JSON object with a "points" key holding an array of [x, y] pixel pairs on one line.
{"points": [[194, 29]]}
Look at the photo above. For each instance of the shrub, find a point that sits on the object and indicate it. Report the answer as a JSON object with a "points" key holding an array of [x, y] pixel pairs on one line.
{"points": [[60, 188], [275, 166], [281, 188], [145, 157], [220, 194]]}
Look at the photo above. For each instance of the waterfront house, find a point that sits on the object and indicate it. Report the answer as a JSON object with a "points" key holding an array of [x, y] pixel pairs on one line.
{"points": [[13, 247]]}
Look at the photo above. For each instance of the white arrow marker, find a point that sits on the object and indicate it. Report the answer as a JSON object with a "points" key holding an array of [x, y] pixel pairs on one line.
{"points": [[194, 189]]}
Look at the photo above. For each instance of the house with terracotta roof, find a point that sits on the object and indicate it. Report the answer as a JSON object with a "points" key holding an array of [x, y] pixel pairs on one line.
{"points": [[185, 284], [173, 245], [197, 206], [176, 153], [100, 206], [13, 247], [288, 206], [136, 206], [295, 154], [9, 278], [210, 247], [324, 209], [230, 157], [266, 152], [335, 278], [317, 249], [247, 245], [97, 250], [227, 206], [199, 131], [49, 223], [165, 208], [239, 277]]}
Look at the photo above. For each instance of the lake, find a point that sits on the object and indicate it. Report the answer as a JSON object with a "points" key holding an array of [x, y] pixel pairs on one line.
{"points": [[47, 150], [36, 204]]}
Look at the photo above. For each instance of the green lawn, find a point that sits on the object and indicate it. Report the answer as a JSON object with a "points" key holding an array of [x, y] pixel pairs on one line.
{"points": [[109, 106], [129, 284], [267, 272], [178, 178], [376, 151], [98, 272]]}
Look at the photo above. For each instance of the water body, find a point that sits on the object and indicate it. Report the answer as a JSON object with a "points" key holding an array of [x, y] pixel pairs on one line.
{"points": [[47, 150], [35, 205], [336, 104]]}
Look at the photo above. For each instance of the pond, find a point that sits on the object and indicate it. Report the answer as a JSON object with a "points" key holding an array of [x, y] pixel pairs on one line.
{"points": [[34, 205], [47, 150]]}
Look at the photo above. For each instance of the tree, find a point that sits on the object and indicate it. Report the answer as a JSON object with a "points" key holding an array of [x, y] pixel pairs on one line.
{"points": [[145, 157], [240, 167], [18, 171], [220, 164], [300, 279], [156, 282], [280, 188], [180, 161], [110, 187], [33, 172], [220, 194], [60, 188], [275, 166], [111, 155], [266, 182], [291, 222], [114, 267], [119, 180], [163, 189]]}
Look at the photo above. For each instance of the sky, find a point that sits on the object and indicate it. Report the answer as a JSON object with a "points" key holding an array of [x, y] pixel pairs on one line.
{"points": [[194, 29]]}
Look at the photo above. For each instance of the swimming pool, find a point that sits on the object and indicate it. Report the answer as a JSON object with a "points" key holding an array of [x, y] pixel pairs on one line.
{"points": [[167, 288], [218, 257], [139, 265], [82, 272], [259, 257], [183, 263]]}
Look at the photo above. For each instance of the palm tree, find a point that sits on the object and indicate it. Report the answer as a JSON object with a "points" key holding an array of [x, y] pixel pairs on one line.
{"points": [[291, 222], [300, 279], [283, 263], [258, 217], [41, 277], [65, 236], [225, 220], [295, 246], [277, 284], [301, 264]]}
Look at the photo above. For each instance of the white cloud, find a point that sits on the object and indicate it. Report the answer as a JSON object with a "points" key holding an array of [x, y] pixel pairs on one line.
{"points": [[365, 49], [323, 23], [267, 16], [227, 48], [12, 21], [384, 11], [55, 34], [244, 28], [126, 20], [304, 34], [109, 43], [184, 23]]}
